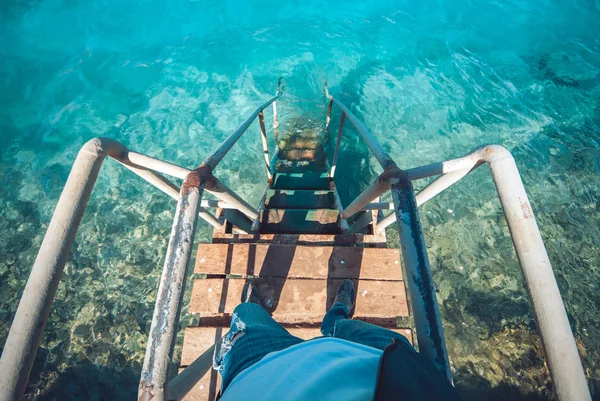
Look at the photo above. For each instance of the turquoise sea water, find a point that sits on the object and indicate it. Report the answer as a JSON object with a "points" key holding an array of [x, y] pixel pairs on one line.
{"points": [[431, 80]]}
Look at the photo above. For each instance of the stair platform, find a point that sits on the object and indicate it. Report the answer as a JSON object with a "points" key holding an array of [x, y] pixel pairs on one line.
{"points": [[297, 260], [315, 262]]}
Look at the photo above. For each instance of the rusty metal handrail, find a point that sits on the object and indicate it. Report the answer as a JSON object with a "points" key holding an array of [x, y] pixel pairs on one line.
{"points": [[561, 352], [215, 158], [34, 307], [154, 382], [428, 325], [32, 313]]}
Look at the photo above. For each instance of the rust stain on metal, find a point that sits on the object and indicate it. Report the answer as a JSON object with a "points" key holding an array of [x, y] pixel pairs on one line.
{"points": [[526, 209], [146, 392], [201, 175], [393, 174]]}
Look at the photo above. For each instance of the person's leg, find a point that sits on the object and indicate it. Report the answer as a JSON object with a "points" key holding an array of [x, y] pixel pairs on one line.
{"points": [[337, 322], [367, 334], [252, 335], [341, 308]]}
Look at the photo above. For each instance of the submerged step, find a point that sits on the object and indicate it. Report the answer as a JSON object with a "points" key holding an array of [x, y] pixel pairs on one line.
{"points": [[305, 180], [300, 199], [299, 221], [300, 154]]}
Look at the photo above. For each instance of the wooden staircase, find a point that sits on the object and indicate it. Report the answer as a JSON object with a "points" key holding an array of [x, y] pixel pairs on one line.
{"points": [[297, 259]]}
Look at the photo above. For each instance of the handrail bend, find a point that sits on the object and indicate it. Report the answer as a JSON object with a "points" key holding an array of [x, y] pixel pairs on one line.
{"points": [[561, 352]]}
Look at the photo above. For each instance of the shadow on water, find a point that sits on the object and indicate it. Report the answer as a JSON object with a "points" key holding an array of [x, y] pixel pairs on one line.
{"points": [[83, 381]]}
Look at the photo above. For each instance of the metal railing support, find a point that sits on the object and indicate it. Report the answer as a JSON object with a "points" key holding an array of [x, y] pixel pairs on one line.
{"points": [[135, 159], [377, 188], [171, 190], [433, 189], [380, 154], [428, 324], [32, 314], [275, 120], [343, 223], [337, 146], [225, 194], [559, 344], [379, 206], [263, 135], [327, 121], [256, 222], [562, 356], [215, 158], [561, 352], [163, 330]]}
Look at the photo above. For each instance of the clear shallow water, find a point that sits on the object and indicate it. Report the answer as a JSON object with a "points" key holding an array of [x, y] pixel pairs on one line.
{"points": [[432, 80]]}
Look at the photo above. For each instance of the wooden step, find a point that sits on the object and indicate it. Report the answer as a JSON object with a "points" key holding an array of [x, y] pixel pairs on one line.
{"points": [[300, 166], [299, 216], [198, 339], [377, 239], [300, 300], [299, 221], [281, 261], [300, 154], [301, 181], [302, 142], [299, 199]]}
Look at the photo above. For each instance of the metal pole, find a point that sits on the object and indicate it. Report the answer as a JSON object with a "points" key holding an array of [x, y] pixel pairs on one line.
{"points": [[563, 360], [337, 146], [275, 120], [256, 222], [430, 191], [163, 330], [225, 194], [377, 188], [380, 154], [213, 160], [171, 190], [263, 135], [32, 314], [430, 333], [338, 204], [328, 120], [135, 159], [379, 206]]}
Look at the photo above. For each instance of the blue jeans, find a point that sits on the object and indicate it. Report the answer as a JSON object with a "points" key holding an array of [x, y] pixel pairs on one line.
{"points": [[253, 334]]}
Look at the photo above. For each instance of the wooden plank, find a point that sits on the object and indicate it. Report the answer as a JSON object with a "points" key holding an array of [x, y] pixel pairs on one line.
{"points": [[378, 239], [206, 389], [198, 339], [304, 180], [299, 261], [299, 199], [299, 300]]}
